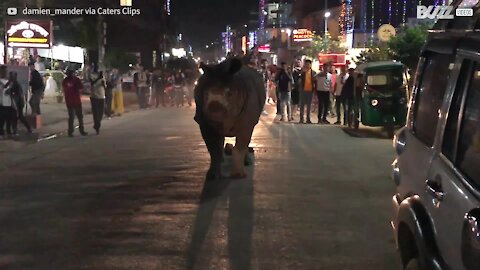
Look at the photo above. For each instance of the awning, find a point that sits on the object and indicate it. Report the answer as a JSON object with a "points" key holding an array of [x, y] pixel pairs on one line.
{"points": [[64, 53]]}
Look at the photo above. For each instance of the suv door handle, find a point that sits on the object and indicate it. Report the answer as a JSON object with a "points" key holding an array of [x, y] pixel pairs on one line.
{"points": [[434, 188]]}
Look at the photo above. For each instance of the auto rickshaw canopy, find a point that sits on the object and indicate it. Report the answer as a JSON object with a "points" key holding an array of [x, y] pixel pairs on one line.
{"points": [[378, 66]]}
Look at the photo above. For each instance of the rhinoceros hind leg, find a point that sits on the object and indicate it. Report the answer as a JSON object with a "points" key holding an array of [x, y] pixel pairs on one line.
{"points": [[240, 153], [214, 142]]}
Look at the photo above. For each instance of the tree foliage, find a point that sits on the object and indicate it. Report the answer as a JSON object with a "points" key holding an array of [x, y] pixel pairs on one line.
{"points": [[324, 45], [116, 58], [374, 54], [406, 46]]}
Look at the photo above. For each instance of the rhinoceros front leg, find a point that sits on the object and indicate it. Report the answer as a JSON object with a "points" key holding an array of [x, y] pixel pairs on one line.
{"points": [[214, 142], [239, 153]]}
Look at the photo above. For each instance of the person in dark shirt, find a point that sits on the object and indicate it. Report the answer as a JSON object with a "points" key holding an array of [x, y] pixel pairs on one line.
{"points": [[357, 100], [38, 87], [297, 74], [158, 86], [348, 96], [18, 100], [179, 84], [284, 80], [72, 87]]}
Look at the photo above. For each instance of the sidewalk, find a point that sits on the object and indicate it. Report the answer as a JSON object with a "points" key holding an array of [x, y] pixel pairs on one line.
{"points": [[55, 118]]}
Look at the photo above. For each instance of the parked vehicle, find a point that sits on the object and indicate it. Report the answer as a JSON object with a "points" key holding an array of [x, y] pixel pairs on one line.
{"points": [[436, 209], [384, 98]]}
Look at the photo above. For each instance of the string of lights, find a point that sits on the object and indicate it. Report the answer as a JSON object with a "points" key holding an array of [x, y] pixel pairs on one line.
{"points": [[349, 18], [390, 11], [397, 11], [261, 14], [342, 20], [373, 17]]}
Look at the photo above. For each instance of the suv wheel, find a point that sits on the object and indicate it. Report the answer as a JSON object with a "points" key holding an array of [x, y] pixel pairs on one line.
{"points": [[413, 264]]}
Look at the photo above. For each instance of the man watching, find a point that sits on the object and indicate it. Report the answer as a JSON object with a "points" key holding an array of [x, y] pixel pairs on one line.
{"points": [[324, 87], [72, 87], [307, 86], [284, 80], [38, 87]]}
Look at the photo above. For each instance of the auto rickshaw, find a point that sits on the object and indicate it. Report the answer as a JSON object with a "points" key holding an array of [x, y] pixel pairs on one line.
{"points": [[383, 96]]}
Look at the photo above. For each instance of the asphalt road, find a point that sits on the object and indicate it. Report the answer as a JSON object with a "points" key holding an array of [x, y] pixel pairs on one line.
{"points": [[134, 198]]}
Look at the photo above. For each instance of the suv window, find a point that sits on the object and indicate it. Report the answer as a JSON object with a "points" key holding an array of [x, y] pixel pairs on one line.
{"points": [[468, 155], [429, 97], [451, 129]]}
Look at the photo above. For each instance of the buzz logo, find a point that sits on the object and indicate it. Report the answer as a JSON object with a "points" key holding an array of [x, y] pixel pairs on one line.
{"points": [[435, 12]]}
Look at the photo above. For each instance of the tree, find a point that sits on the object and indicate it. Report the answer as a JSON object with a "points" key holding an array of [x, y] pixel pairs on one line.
{"points": [[373, 54], [406, 46], [324, 45], [116, 58]]}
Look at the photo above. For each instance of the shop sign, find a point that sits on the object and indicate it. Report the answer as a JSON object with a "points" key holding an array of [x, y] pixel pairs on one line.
{"points": [[333, 58], [264, 48], [300, 35], [29, 34]]}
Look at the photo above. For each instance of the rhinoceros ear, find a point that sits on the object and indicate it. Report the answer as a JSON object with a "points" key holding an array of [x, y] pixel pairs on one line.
{"points": [[206, 68], [235, 66]]}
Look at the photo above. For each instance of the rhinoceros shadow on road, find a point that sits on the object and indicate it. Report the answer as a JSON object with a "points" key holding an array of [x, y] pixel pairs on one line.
{"points": [[239, 195]]}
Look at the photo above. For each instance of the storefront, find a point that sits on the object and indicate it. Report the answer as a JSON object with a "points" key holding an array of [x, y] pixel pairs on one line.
{"points": [[22, 36]]}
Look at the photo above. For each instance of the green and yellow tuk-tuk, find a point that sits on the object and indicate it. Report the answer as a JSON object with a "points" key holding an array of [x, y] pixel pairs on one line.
{"points": [[384, 98]]}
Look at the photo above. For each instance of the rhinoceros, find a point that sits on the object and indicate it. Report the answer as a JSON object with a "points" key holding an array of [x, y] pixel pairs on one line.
{"points": [[230, 97]]}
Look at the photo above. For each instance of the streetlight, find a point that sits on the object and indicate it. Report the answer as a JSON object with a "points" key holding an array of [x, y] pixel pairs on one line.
{"points": [[327, 15]]}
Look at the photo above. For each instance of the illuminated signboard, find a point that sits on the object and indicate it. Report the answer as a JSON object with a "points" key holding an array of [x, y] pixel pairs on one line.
{"points": [[252, 40], [334, 58], [264, 48], [244, 44], [29, 34], [300, 35]]}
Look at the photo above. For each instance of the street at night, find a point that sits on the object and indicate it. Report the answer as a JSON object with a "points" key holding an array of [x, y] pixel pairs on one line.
{"points": [[135, 197], [239, 135]]}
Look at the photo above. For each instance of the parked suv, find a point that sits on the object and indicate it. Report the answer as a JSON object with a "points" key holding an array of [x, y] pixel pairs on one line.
{"points": [[436, 217]]}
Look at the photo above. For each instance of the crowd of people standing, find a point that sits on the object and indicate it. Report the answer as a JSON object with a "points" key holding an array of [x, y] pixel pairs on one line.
{"points": [[169, 87], [331, 92], [12, 101]]}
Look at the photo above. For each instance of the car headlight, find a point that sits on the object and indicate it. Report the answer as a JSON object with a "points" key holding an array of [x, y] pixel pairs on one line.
{"points": [[374, 102], [196, 82]]}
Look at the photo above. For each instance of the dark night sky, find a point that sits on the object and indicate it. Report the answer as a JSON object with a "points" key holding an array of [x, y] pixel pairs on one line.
{"points": [[202, 21]]}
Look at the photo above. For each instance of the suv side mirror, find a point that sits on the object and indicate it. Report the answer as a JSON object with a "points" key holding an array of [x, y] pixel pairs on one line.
{"points": [[399, 141]]}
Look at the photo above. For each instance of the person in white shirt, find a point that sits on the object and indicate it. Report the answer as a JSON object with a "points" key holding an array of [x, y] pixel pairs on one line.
{"points": [[97, 99], [39, 64], [339, 101], [324, 88], [142, 83]]}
